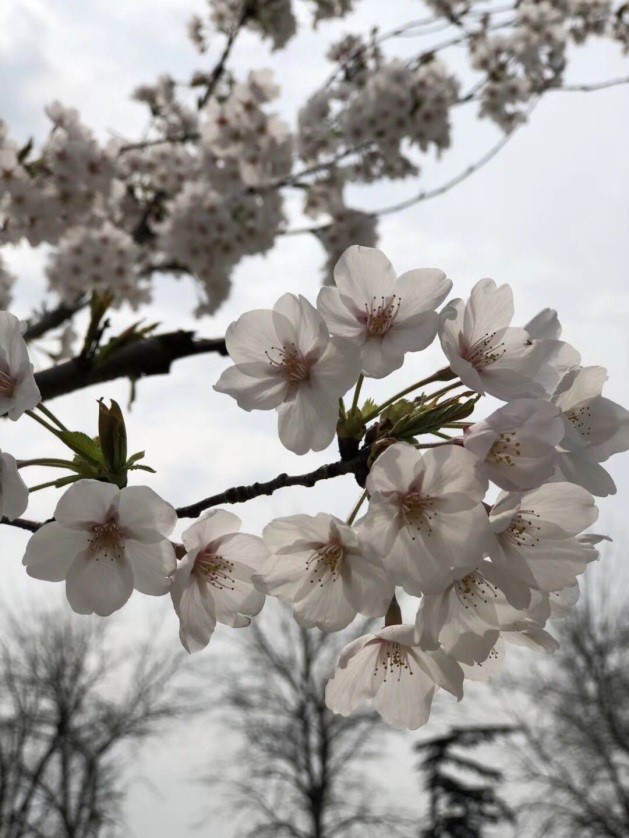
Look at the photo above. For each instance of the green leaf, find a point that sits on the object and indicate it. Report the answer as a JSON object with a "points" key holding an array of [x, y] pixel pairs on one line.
{"points": [[83, 445]]}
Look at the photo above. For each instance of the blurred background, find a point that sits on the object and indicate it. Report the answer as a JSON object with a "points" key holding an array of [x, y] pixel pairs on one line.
{"points": [[105, 728]]}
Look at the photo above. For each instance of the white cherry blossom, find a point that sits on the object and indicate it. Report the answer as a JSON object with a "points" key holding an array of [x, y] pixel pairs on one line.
{"points": [[13, 490], [384, 315], [105, 542], [534, 535], [425, 515], [466, 619], [212, 582], [18, 390], [488, 354], [517, 443], [395, 675], [595, 428], [319, 564], [285, 359]]}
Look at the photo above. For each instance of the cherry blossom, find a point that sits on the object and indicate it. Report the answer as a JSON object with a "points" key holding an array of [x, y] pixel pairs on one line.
{"points": [[13, 490], [517, 443], [383, 315], [319, 564], [534, 535], [18, 390], [213, 580], [105, 542], [425, 515], [595, 428], [390, 671], [285, 359]]}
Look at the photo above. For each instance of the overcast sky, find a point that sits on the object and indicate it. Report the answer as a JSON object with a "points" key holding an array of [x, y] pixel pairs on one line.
{"points": [[549, 216]]}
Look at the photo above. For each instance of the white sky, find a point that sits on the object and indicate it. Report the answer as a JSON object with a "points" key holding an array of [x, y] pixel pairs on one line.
{"points": [[549, 216]]}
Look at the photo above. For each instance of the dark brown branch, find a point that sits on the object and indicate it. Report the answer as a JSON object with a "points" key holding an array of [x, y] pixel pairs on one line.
{"points": [[37, 327], [22, 524], [240, 494], [219, 69], [150, 356]]}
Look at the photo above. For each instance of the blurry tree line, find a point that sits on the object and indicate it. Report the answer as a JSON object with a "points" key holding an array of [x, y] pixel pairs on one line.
{"points": [[76, 703]]}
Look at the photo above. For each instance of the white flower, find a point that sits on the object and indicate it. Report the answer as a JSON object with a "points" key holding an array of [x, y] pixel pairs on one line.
{"points": [[285, 359], [213, 580], [13, 490], [534, 535], [383, 315], [105, 542], [18, 390], [398, 678], [319, 564], [517, 443], [425, 515], [466, 619], [487, 354], [595, 428]]}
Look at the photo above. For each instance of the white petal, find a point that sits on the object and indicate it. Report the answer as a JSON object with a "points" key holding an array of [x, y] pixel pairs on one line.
{"points": [[13, 490], [263, 389], [153, 566], [86, 502], [363, 273], [210, 527], [196, 616], [99, 586], [51, 551], [144, 514]]}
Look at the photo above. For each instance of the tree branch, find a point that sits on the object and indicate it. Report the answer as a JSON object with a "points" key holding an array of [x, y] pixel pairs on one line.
{"points": [[240, 494], [51, 319], [150, 356]]}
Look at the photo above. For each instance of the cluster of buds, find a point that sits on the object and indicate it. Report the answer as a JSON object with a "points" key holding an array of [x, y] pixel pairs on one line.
{"points": [[479, 523]]}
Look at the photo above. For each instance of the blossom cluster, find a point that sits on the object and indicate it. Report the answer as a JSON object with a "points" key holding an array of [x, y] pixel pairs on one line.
{"points": [[483, 530]]}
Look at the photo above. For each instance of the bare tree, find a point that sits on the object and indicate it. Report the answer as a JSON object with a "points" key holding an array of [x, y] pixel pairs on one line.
{"points": [[576, 751], [297, 772], [71, 703]]}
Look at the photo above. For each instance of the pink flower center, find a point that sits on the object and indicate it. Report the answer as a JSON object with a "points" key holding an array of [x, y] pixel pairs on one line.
{"points": [[7, 384], [291, 364], [417, 511], [326, 560], [214, 569], [581, 418], [483, 353], [106, 540], [380, 314], [393, 658], [523, 531], [504, 449], [473, 589]]}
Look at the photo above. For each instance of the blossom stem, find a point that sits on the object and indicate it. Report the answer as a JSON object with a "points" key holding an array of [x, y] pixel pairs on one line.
{"points": [[50, 462], [443, 390], [438, 376], [355, 510], [71, 478], [50, 415], [41, 422], [442, 436], [342, 413], [359, 384]]}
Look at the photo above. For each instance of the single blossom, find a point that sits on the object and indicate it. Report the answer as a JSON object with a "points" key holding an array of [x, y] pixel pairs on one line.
{"points": [[319, 564], [285, 359], [395, 675], [534, 535], [212, 582], [384, 315], [488, 354], [595, 428], [13, 490], [425, 515], [466, 619], [18, 390], [517, 443], [105, 542]]}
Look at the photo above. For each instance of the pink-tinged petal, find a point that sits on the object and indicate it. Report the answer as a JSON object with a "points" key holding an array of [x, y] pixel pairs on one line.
{"points": [[51, 551], [544, 326], [366, 584], [286, 317], [396, 469], [86, 502], [13, 490], [490, 667], [215, 524], [312, 330], [350, 685], [404, 700], [452, 475], [153, 566], [264, 389], [431, 618], [376, 362], [307, 529], [562, 601], [249, 550], [559, 510], [411, 335], [236, 603], [307, 422], [282, 576], [251, 336], [609, 429], [556, 564], [504, 510], [380, 526], [181, 577], [363, 273], [489, 309], [325, 607], [141, 510], [533, 638], [340, 316], [196, 616], [338, 369], [442, 669], [98, 586], [586, 472], [421, 290], [579, 386]]}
